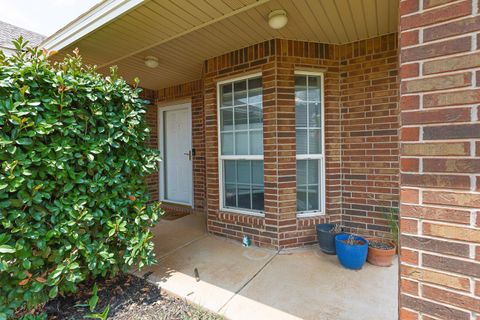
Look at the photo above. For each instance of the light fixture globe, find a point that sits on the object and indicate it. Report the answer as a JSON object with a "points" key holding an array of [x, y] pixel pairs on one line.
{"points": [[277, 19], [151, 61]]}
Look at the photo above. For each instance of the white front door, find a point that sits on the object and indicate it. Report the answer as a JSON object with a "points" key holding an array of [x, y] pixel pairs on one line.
{"points": [[177, 154]]}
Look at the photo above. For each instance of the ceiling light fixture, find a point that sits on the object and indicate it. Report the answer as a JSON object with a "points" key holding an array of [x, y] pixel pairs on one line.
{"points": [[151, 61], [277, 19]]}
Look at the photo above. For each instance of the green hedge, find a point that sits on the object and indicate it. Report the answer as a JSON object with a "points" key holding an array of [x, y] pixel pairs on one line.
{"points": [[73, 162]]}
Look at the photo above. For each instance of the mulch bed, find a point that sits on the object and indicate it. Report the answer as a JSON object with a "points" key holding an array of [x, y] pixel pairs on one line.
{"points": [[130, 298]]}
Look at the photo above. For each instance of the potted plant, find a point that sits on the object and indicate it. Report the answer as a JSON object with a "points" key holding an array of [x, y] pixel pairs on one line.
{"points": [[351, 250], [381, 251], [326, 233]]}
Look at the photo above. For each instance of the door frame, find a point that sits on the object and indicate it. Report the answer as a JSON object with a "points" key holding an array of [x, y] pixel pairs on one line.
{"points": [[169, 106]]}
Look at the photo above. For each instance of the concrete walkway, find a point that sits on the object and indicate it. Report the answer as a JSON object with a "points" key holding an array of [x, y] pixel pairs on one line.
{"points": [[256, 283]]}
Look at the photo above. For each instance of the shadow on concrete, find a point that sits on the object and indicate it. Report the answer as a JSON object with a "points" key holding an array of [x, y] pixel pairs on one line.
{"points": [[258, 283]]}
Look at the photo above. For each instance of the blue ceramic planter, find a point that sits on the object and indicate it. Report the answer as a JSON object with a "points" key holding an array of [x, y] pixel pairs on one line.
{"points": [[351, 256], [326, 239]]}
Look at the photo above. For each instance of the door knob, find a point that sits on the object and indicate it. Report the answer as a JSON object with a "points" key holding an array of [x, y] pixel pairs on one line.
{"points": [[189, 154]]}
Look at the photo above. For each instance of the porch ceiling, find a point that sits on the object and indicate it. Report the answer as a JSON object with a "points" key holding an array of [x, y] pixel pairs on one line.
{"points": [[183, 33]]}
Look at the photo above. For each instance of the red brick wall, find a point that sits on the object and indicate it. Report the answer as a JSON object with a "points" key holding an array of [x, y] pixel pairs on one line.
{"points": [[291, 56], [361, 95], [253, 59], [440, 160], [369, 106], [277, 60]]}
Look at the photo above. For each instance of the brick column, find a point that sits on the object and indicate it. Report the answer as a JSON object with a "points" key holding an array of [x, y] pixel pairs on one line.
{"points": [[440, 160]]}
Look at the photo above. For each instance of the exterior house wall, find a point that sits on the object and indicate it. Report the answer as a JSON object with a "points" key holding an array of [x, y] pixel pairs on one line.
{"points": [[361, 147], [440, 160], [369, 106], [277, 60]]}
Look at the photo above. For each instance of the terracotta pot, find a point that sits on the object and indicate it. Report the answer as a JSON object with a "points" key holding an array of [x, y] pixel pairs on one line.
{"points": [[380, 257]]}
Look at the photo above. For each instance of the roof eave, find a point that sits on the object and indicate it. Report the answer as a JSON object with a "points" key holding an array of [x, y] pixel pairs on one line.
{"points": [[96, 17]]}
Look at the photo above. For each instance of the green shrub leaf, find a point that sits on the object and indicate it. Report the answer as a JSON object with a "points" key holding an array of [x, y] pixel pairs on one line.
{"points": [[73, 150], [6, 249]]}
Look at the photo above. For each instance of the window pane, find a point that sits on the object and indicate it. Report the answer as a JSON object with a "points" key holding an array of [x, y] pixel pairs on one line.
{"points": [[300, 88], [240, 93], [301, 141], [243, 171], [255, 91], [301, 172], [257, 172], [226, 95], [256, 142], [301, 198], [227, 143], [314, 115], [244, 196], [312, 172], [301, 114], [243, 184], [226, 119], [255, 83], [241, 134], [255, 113], [257, 198], [314, 88], [314, 141], [230, 195], [230, 171], [312, 198], [241, 143], [241, 121]]}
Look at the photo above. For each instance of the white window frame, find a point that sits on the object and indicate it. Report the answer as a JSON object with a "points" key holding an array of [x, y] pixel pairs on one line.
{"points": [[318, 157], [233, 157]]}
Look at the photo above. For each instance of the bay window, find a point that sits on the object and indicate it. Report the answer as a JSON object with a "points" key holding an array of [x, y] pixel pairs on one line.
{"points": [[241, 144], [309, 141]]}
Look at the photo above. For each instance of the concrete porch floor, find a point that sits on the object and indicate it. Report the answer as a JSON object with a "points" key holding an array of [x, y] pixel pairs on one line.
{"points": [[258, 283]]}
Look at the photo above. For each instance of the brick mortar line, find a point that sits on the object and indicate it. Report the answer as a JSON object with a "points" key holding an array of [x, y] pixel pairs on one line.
{"points": [[472, 106], [441, 254], [442, 223], [440, 57], [463, 293], [440, 75], [437, 23], [421, 282], [450, 90], [438, 302], [422, 10]]}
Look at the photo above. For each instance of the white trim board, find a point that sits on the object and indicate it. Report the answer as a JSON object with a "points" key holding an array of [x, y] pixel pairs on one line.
{"points": [[93, 19]]}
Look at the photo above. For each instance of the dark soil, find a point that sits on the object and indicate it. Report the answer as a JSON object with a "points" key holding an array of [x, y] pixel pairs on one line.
{"points": [[354, 242], [130, 298], [382, 245]]}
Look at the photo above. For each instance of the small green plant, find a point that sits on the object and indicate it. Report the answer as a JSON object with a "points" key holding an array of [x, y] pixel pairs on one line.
{"points": [[92, 302], [74, 158], [101, 316], [391, 214], [42, 316]]}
